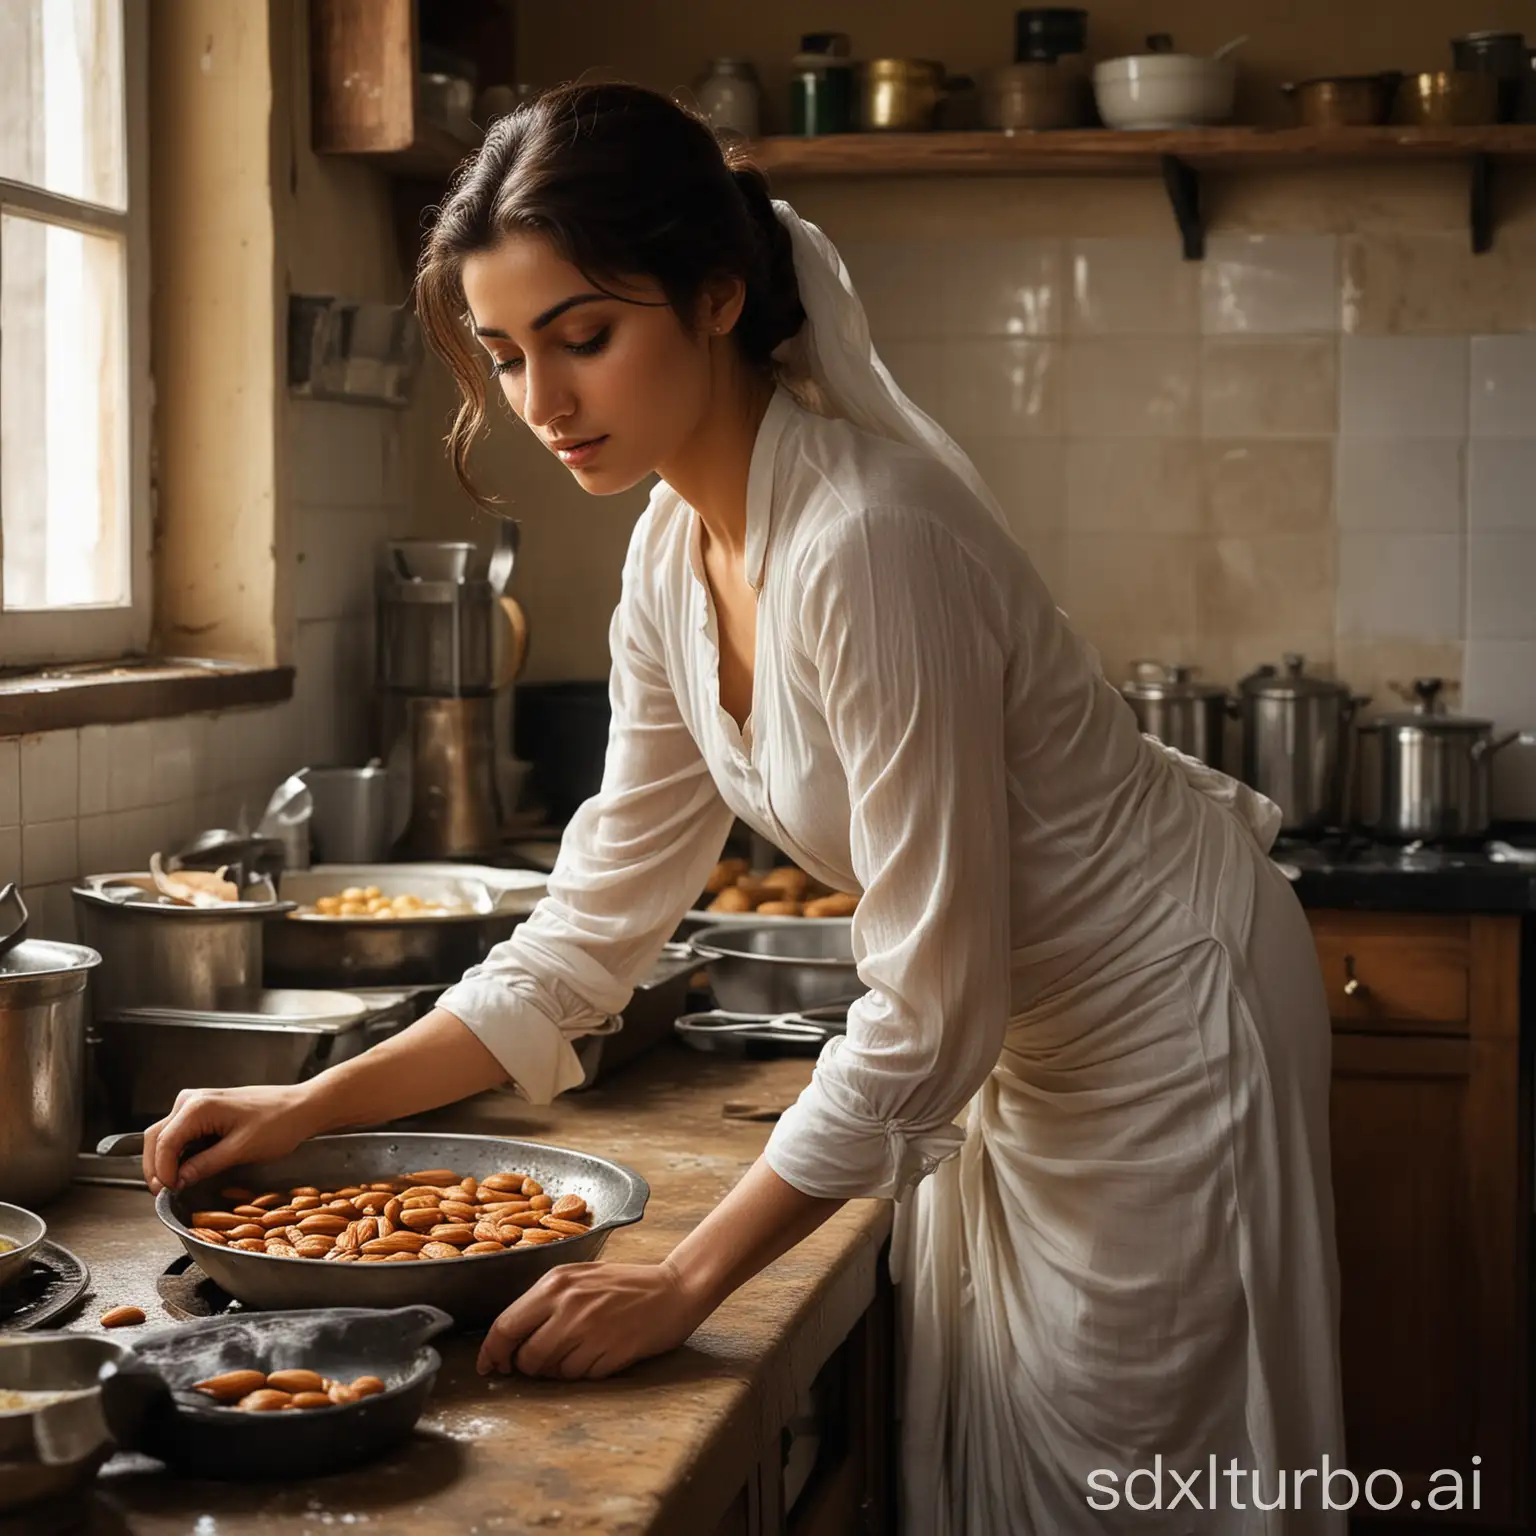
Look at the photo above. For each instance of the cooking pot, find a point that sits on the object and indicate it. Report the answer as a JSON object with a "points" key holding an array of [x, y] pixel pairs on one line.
{"points": [[1343, 101], [1188, 716], [788, 968], [1447, 98], [899, 95], [1434, 768], [42, 1067], [1296, 744]]}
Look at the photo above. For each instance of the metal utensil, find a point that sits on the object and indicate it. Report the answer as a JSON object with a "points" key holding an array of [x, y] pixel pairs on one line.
{"points": [[42, 1043], [13, 919], [26, 1230], [780, 969], [470, 1288]]}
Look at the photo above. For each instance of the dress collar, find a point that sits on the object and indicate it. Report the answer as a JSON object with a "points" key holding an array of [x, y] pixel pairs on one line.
{"points": [[760, 478]]}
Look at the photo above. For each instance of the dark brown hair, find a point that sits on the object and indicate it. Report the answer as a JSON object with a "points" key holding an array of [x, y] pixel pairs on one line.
{"points": [[625, 184]]}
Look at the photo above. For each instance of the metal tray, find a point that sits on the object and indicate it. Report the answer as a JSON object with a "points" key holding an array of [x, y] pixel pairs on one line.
{"points": [[648, 1019], [472, 1288]]}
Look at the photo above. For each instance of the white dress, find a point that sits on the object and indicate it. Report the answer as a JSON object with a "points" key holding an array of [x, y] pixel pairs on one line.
{"points": [[1073, 942]]}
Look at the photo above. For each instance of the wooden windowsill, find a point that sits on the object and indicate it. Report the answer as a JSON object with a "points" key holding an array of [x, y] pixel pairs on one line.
{"points": [[113, 692]]}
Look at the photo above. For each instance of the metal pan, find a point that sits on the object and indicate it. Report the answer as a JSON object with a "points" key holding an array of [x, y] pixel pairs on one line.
{"points": [[471, 1289], [805, 963], [149, 1392]]}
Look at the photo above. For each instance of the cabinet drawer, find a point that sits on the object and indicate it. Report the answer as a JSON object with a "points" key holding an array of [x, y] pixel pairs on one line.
{"points": [[1394, 970]]}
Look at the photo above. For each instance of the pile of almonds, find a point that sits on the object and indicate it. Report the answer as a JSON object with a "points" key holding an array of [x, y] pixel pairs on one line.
{"points": [[257, 1392], [433, 1214]]}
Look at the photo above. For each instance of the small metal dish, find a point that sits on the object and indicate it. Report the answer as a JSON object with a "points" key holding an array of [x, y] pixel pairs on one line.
{"points": [[26, 1230]]}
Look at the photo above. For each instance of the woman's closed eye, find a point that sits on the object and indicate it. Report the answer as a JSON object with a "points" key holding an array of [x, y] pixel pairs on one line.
{"points": [[589, 348]]}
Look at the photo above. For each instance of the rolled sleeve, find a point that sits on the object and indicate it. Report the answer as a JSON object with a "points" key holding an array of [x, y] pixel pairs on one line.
{"points": [[904, 626]]}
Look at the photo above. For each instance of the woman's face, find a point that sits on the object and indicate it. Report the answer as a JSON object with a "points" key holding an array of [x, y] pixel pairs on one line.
{"points": [[614, 388]]}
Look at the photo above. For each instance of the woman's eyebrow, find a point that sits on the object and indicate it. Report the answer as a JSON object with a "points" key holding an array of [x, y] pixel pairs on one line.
{"points": [[552, 313]]}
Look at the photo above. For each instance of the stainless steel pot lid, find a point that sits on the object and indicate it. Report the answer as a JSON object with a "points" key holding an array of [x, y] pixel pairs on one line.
{"points": [[1294, 682], [1165, 680], [35, 958], [1429, 714]]}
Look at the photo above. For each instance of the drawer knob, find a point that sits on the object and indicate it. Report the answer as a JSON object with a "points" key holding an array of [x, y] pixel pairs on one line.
{"points": [[1353, 986]]}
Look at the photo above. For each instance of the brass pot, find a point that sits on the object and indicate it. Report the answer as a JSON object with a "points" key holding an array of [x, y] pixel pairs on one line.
{"points": [[899, 95], [1035, 94], [1447, 98], [1343, 101]]}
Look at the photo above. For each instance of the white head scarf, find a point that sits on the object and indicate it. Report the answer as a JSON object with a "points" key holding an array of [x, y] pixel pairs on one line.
{"points": [[833, 351]]}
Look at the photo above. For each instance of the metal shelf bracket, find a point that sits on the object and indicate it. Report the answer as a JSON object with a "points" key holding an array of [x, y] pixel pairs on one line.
{"points": [[1182, 182]]}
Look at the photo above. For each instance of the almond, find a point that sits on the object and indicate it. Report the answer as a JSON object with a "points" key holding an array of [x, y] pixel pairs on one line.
{"points": [[296, 1381], [265, 1400], [267, 1201], [367, 1386], [370, 1199], [539, 1235], [387, 1185], [250, 1212], [421, 1220], [469, 1184], [236, 1195], [512, 1182], [486, 1232], [315, 1247], [504, 1208], [280, 1217], [423, 1192], [569, 1208], [396, 1242], [340, 1394], [349, 1190], [323, 1223], [249, 1244], [385, 1225], [343, 1208], [305, 1189], [343, 1258], [367, 1229], [246, 1229], [459, 1233], [531, 1186], [279, 1248], [372, 1258], [541, 1202], [231, 1386], [216, 1221], [311, 1400], [483, 1248], [455, 1211], [348, 1242], [208, 1235], [440, 1251], [522, 1219], [564, 1228], [304, 1202], [434, 1176], [122, 1317], [392, 1208], [394, 1258]]}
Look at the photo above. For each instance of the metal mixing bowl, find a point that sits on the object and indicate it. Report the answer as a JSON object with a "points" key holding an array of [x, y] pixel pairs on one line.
{"points": [[472, 1289], [780, 967]]}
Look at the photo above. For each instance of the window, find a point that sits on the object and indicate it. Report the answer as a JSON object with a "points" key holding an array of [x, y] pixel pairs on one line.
{"points": [[74, 285]]}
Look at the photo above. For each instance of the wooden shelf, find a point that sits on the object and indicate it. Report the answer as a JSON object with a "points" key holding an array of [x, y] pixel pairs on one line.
{"points": [[1105, 151], [1179, 156], [433, 155]]}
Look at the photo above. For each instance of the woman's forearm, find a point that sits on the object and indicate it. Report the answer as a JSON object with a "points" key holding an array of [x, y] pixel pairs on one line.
{"points": [[437, 1060], [760, 1219]]}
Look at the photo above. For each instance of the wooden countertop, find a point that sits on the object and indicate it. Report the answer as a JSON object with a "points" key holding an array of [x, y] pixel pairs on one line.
{"points": [[662, 1448]]}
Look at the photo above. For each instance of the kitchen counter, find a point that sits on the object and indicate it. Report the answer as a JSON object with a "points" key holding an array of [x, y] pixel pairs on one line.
{"points": [[1360, 875], [665, 1447]]}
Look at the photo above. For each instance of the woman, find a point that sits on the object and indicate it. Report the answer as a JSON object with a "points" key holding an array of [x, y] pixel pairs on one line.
{"points": [[1070, 935]]}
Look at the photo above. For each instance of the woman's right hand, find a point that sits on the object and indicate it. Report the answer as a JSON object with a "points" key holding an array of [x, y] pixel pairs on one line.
{"points": [[254, 1125]]}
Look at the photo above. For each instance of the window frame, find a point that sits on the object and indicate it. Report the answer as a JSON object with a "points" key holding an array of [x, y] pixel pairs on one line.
{"points": [[42, 636]]}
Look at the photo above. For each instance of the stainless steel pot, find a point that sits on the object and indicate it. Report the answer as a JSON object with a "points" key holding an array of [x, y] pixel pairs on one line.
{"points": [[157, 955], [1169, 704], [42, 1067], [1296, 743], [780, 968], [1434, 769]]}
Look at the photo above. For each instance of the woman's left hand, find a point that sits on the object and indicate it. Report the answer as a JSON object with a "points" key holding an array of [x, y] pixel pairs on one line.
{"points": [[590, 1320]]}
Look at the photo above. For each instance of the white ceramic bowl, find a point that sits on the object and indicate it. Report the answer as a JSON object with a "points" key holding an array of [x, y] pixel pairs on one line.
{"points": [[1164, 90], [18, 1225]]}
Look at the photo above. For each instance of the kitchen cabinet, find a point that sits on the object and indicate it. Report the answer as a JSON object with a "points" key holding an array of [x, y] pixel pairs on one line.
{"points": [[1431, 1175]]}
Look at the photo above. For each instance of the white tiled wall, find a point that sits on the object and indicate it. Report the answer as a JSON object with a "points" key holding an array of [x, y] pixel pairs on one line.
{"points": [[1307, 442]]}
